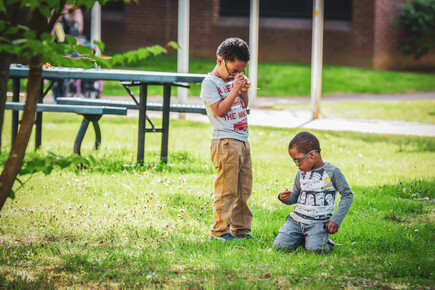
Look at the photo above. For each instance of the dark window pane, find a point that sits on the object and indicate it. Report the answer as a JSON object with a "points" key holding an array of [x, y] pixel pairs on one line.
{"points": [[334, 9], [113, 6]]}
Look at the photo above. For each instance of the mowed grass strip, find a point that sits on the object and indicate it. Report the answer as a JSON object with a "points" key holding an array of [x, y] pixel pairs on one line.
{"points": [[289, 80]]}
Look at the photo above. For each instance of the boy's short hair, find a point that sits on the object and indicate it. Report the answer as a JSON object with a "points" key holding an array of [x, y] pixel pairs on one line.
{"points": [[304, 142], [233, 48]]}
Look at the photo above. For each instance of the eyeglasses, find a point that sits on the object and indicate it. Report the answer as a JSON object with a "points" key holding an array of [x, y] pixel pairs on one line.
{"points": [[230, 75], [298, 161]]}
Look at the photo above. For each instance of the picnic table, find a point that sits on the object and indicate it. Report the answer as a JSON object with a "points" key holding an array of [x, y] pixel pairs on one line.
{"points": [[128, 78]]}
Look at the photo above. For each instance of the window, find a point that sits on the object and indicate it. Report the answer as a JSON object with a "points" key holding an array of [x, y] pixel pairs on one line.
{"points": [[113, 11], [334, 9], [115, 6]]}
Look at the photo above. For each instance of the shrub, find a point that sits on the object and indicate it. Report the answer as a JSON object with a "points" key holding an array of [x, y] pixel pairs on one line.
{"points": [[417, 18]]}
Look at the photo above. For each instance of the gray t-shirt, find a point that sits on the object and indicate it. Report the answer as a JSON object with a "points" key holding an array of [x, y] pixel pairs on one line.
{"points": [[315, 193], [235, 123]]}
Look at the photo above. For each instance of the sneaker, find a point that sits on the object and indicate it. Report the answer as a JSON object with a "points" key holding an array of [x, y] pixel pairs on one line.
{"points": [[249, 237], [330, 243], [224, 237]]}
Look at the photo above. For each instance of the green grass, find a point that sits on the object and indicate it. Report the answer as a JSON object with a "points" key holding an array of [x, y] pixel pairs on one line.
{"points": [[294, 79], [116, 224], [422, 111]]}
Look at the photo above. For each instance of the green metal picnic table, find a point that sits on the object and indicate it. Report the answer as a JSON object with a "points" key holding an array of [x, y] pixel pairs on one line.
{"points": [[128, 77]]}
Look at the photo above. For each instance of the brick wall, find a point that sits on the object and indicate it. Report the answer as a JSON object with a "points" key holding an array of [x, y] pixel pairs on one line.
{"points": [[370, 40], [387, 37]]}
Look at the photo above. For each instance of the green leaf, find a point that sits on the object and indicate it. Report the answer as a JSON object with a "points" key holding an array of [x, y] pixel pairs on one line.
{"points": [[143, 53], [85, 50], [12, 195], [29, 34], [70, 40], [45, 11], [100, 45], [19, 41], [11, 30], [173, 44], [2, 24], [23, 27], [46, 36], [117, 58], [157, 49], [2, 6], [131, 56]]}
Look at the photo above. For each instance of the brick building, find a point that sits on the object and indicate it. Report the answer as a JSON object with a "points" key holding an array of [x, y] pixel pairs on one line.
{"points": [[357, 33]]}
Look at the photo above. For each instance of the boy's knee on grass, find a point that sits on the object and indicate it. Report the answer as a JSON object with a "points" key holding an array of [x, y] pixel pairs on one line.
{"points": [[284, 244], [317, 249]]}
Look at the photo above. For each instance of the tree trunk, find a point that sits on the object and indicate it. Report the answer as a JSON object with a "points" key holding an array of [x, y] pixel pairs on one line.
{"points": [[12, 17], [12, 167], [5, 61], [19, 146]]}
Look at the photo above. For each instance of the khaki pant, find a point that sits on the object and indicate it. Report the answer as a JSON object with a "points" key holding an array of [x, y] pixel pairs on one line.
{"points": [[233, 187]]}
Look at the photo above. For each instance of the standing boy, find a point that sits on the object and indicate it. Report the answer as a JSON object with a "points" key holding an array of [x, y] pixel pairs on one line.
{"points": [[225, 95], [314, 192]]}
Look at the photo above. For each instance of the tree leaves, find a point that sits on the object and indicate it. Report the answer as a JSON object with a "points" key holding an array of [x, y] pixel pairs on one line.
{"points": [[46, 164], [26, 44], [418, 20]]}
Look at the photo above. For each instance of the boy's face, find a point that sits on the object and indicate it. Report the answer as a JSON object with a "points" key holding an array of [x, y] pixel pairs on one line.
{"points": [[229, 69], [305, 162]]}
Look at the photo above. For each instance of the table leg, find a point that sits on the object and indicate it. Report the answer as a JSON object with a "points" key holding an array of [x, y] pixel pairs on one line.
{"points": [[97, 131], [165, 122], [82, 131], [15, 114], [38, 121], [142, 124], [80, 135], [38, 132]]}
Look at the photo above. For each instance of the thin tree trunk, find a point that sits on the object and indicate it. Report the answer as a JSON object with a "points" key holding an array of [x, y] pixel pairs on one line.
{"points": [[12, 17], [15, 161], [12, 168], [5, 60]]}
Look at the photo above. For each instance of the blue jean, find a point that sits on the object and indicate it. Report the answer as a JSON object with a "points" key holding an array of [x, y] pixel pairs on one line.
{"points": [[293, 234]]}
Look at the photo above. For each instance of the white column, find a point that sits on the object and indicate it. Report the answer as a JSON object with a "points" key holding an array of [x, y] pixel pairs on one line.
{"points": [[96, 22], [183, 41], [317, 57], [253, 44]]}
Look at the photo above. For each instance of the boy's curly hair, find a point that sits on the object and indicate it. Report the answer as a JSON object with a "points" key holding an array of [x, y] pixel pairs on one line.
{"points": [[304, 142], [233, 48]]}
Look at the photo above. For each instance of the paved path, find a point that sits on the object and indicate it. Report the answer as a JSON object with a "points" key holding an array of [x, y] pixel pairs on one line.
{"points": [[261, 115]]}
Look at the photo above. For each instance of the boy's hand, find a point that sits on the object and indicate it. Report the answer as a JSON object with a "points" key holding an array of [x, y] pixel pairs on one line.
{"points": [[285, 195], [247, 84], [239, 81], [332, 228]]}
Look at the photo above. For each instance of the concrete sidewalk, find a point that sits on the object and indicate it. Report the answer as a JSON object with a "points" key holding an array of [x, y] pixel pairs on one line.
{"points": [[262, 115]]}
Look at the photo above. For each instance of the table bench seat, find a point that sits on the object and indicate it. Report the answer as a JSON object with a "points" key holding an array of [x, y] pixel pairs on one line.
{"points": [[79, 109], [90, 114], [179, 108]]}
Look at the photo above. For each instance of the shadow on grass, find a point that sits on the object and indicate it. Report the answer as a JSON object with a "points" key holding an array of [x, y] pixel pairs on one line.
{"points": [[178, 162]]}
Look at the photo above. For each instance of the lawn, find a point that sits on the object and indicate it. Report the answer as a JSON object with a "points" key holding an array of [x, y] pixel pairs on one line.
{"points": [[294, 79], [422, 111], [115, 224]]}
